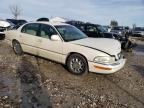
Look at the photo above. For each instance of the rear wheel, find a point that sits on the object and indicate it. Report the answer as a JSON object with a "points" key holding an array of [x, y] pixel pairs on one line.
{"points": [[2, 36], [77, 64], [17, 48]]}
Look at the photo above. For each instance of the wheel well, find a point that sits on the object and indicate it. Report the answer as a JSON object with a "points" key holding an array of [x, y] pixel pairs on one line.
{"points": [[14, 40], [71, 53]]}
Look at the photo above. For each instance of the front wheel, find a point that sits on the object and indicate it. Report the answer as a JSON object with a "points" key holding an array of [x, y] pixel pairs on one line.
{"points": [[77, 64], [17, 48]]}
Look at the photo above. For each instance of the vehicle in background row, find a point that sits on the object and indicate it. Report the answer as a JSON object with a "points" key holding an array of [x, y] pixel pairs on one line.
{"points": [[66, 44], [4, 25], [118, 29], [42, 19], [138, 32], [16, 22], [97, 31], [92, 30]]}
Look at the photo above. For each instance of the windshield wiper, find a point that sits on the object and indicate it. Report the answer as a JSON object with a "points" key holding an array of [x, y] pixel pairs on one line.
{"points": [[75, 39]]}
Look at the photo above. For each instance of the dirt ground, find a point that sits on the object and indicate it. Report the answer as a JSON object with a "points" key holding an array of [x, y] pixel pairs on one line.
{"points": [[32, 82]]}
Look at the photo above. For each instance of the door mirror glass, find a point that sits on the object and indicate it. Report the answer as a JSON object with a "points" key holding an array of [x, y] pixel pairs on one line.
{"points": [[55, 38]]}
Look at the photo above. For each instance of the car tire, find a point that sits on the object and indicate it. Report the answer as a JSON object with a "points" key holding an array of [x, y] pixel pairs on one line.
{"points": [[2, 36], [77, 64], [17, 48]]}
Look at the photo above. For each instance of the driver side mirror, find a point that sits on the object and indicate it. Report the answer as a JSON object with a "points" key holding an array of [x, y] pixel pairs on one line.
{"points": [[55, 38]]}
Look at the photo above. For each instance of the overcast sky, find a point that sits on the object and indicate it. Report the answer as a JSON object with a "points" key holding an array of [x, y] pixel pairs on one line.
{"points": [[126, 12]]}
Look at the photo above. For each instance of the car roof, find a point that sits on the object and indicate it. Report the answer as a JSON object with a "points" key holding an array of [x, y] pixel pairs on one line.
{"points": [[50, 23]]}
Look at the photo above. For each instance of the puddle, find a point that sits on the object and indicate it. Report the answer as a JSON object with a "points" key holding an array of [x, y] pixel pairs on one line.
{"points": [[34, 94], [139, 53]]}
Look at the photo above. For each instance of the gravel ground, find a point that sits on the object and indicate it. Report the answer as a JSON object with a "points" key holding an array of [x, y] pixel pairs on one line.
{"points": [[32, 82]]}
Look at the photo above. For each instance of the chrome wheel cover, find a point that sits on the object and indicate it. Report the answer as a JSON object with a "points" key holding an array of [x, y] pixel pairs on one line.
{"points": [[77, 65], [16, 47]]}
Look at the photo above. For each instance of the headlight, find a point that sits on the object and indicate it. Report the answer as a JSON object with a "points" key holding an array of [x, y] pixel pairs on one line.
{"points": [[120, 32], [104, 59]]}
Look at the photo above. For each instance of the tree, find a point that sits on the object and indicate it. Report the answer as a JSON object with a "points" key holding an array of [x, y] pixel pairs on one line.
{"points": [[134, 26], [113, 23], [15, 10]]}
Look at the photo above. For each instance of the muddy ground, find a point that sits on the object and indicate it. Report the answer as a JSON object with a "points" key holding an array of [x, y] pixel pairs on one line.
{"points": [[32, 82]]}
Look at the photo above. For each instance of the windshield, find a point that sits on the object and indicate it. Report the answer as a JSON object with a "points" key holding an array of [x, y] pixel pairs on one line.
{"points": [[101, 28], [70, 33], [117, 28]]}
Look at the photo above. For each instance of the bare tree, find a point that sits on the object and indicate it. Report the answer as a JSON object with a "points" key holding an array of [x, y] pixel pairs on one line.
{"points": [[15, 10], [134, 25], [113, 23]]}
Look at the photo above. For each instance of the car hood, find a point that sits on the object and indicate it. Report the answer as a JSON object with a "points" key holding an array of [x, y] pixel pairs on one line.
{"points": [[110, 46], [4, 24]]}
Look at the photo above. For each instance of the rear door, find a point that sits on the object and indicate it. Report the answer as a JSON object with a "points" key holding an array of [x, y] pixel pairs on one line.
{"points": [[29, 38]]}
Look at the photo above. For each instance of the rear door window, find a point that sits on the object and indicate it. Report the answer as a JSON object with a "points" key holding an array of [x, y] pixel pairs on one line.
{"points": [[31, 29]]}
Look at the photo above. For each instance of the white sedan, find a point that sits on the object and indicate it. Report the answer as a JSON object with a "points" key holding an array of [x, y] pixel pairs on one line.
{"points": [[66, 44]]}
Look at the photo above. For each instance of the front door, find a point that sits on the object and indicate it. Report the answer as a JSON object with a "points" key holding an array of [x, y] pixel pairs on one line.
{"points": [[48, 48]]}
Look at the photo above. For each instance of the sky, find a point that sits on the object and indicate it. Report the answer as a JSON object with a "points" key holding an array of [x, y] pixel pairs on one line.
{"points": [[126, 12]]}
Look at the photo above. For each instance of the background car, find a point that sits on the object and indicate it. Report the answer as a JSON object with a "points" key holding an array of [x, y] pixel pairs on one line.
{"points": [[16, 22], [91, 30], [138, 32], [43, 19], [97, 31], [118, 29]]}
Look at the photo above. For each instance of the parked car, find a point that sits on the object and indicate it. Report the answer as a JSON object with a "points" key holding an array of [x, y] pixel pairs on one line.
{"points": [[4, 25], [138, 32], [118, 29], [43, 19], [91, 30], [97, 31], [16, 22], [66, 44]]}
